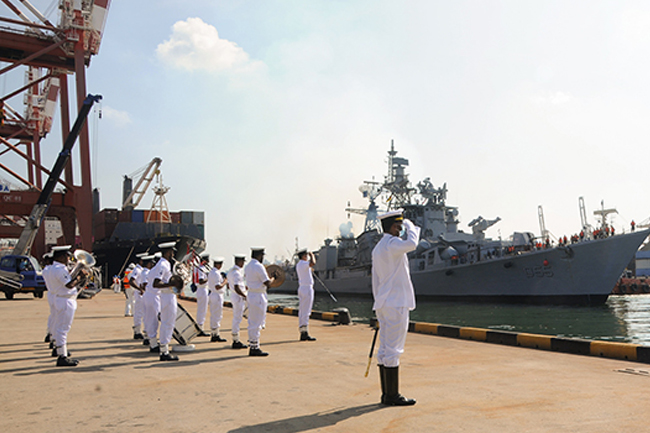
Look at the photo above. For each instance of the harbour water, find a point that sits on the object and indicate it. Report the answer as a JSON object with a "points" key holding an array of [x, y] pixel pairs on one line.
{"points": [[623, 318]]}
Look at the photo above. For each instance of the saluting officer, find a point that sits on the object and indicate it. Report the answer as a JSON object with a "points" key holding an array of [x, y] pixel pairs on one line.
{"points": [[200, 276], [394, 297], [217, 287], [238, 298], [257, 281], [305, 292]]}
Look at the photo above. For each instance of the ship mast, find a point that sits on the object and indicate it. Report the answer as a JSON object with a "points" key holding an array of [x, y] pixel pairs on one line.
{"points": [[159, 209], [397, 182], [602, 213]]}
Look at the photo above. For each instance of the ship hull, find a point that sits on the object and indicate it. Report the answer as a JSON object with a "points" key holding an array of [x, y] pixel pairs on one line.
{"points": [[581, 273], [114, 255]]}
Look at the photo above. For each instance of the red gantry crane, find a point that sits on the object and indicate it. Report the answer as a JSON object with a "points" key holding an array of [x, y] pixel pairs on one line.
{"points": [[48, 53]]}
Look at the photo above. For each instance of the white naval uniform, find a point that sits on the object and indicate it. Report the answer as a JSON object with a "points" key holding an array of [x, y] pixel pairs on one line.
{"points": [[216, 299], [305, 293], [151, 308], [129, 292], [255, 274], [393, 293], [51, 319], [138, 310], [65, 303], [200, 273], [168, 304], [236, 278]]}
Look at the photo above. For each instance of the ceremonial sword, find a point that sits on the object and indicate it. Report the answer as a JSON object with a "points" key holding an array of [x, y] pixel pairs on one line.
{"points": [[372, 348]]}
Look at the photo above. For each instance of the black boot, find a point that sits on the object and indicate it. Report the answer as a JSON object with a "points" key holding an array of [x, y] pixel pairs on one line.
{"points": [[393, 397], [64, 361], [304, 336], [138, 336], [47, 338], [382, 380]]}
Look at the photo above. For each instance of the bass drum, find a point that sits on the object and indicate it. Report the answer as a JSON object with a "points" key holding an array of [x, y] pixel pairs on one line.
{"points": [[185, 328]]}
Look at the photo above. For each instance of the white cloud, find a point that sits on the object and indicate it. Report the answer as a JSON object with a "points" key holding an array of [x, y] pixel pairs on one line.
{"points": [[196, 45], [120, 118]]}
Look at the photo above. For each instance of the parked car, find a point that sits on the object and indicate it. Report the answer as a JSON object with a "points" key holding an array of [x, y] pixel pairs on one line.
{"points": [[13, 266]]}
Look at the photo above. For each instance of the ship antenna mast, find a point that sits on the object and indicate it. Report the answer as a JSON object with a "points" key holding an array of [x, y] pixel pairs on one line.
{"points": [[602, 213], [159, 209]]}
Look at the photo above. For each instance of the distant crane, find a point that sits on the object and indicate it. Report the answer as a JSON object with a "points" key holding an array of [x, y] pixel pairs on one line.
{"points": [[542, 223], [134, 195]]}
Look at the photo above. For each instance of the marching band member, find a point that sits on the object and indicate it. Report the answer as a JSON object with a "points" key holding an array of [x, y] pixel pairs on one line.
{"points": [[151, 310], [238, 298], [159, 276], [394, 297], [63, 287], [200, 278], [216, 285], [47, 262], [305, 292], [140, 307], [138, 304], [129, 303], [257, 281]]}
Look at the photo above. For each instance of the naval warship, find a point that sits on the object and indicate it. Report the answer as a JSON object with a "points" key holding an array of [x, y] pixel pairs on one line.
{"points": [[452, 265]]}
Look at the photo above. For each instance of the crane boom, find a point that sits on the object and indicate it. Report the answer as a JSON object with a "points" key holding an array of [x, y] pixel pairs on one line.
{"points": [[142, 185], [39, 210]]}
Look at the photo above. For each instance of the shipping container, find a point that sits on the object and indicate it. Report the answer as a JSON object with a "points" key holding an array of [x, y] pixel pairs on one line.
{"points": [[110, 215], [124, 216], [155, 216], [176, 217], [198, 218], [187, 217], [137, 216]]}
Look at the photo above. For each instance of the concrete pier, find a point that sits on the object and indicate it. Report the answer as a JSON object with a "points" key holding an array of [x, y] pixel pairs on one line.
{"points": [[460, 385]]}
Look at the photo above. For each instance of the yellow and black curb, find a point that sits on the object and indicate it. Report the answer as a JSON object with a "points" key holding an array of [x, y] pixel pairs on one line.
{"points": [[341, 317], [605, 349]]}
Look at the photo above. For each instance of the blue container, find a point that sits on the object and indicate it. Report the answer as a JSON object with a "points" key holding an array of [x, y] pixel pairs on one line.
{"points": [[137, 216]]}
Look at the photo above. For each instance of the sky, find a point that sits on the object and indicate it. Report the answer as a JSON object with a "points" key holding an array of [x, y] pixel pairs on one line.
{"points": [[268, 115]]}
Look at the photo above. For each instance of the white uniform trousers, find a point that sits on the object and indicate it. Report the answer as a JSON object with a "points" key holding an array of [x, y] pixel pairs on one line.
{"points": [[201, 305], [51, 319], [305, 304], [65, 308], [129, 303], [151, 309], [138, 311], [393, 326], [168, 310], [257, 303], [216, 310], [238, 306]]}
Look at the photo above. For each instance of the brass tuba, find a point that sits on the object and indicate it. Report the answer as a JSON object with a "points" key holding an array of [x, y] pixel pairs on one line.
{"points": [[85, 261]]}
